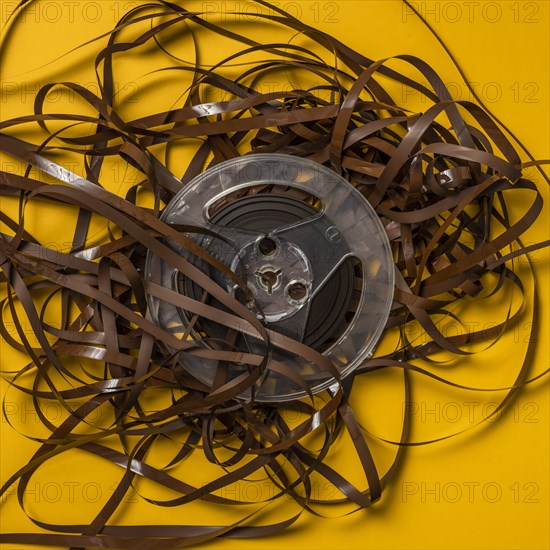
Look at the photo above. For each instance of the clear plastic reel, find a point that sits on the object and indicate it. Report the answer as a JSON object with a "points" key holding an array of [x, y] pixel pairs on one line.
{"points": [[285, 269]]}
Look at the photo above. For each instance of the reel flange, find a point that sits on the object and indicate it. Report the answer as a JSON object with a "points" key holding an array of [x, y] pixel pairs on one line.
{"points": [[312, 253]]}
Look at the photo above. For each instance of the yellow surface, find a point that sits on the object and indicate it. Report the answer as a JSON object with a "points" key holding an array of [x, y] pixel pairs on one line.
{"points": [[485, 489]]}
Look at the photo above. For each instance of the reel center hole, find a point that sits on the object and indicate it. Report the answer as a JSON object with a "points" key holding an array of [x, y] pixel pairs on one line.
{"points": [[269, 278]]}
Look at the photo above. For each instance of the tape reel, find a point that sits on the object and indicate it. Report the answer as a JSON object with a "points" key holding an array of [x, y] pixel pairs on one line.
{"points": [[314, 255]]}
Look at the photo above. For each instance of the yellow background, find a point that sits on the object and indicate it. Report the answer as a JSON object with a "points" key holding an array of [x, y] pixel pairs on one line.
{"points": [[504, 49]]}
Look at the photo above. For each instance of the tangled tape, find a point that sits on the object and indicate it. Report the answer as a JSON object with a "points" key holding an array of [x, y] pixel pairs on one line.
{"points": [[157, 307]]}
